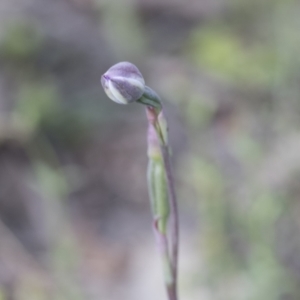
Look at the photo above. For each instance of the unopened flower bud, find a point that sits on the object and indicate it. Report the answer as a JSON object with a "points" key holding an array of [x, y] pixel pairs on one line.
{"points": [[123, 83]]}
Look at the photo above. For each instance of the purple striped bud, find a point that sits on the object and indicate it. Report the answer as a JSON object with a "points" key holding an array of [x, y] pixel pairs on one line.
{"points": [[123, 83]]}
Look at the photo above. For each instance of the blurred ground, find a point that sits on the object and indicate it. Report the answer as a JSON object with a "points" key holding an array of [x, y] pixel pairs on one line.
{"points": [[74, 215]]}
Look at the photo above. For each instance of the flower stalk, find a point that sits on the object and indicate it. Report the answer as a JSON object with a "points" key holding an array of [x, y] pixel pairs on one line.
{"points": [[164, 190], [123, 83]]}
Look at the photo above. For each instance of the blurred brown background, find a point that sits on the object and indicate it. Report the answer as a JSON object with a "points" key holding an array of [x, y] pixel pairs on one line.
{"points": [[74, 215]]}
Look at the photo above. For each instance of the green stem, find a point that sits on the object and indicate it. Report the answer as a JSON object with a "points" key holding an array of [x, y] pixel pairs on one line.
{"points": [[162, 131], [159, 157]]}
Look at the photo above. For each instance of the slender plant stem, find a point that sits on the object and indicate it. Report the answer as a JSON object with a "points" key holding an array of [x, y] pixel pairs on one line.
{"points": [[174, 214], [161, 131], [172, 293]]}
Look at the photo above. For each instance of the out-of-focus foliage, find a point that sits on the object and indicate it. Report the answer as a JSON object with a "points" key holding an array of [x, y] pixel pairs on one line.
{"points": [[222, 52], [36, 103], [21, 42]]}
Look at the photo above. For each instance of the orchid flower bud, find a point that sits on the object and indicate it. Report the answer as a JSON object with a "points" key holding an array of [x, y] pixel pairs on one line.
{"points": [[123, 83]]}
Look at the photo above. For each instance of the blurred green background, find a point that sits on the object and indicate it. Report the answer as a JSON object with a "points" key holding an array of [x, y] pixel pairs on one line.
{"points": [[74, 215]]}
